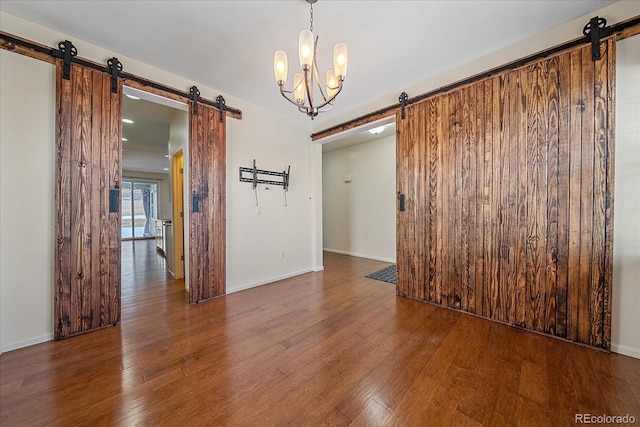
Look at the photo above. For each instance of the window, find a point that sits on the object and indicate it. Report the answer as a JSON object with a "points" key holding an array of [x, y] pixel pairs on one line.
{"points": [[139, 209]]}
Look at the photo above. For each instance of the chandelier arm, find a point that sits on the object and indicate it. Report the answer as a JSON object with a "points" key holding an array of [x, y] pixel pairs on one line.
{"points": [[330, 106], [332, 98], [284, 94], [318, 79], [308, 86], [315, 68]]}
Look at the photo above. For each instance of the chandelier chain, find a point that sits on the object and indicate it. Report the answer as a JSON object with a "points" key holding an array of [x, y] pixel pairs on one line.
{"points": [[311, 19]]}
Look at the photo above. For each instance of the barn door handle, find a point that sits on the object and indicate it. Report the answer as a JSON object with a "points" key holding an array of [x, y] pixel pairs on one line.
{"points": [[194, 202], [400, 202], [114, 199]]}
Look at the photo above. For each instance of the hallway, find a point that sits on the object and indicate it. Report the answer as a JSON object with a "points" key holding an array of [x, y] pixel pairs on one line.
{"points": [[146, 284]]}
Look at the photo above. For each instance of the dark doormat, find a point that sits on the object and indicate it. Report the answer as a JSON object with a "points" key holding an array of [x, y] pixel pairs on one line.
{"points": [[387, 274]]}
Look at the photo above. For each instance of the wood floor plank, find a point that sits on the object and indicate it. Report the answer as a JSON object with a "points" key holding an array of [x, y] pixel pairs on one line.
{"points": [[374, 414], [329, 348]]}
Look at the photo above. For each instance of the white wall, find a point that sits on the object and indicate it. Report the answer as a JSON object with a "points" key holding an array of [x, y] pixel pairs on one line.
{"points": [[626, 225], [27, 179], [253, 242], [315, 161], [359, 216], [164, 199]]}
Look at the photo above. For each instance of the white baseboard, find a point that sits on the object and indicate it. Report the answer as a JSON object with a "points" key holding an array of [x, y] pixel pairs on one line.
{"points": [[266, 282], [626, 350], [26, 343], [317, 269], [377, 258]]}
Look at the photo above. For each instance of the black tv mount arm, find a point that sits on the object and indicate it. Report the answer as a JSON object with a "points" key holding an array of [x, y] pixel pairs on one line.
{"points": [[253, 178]]}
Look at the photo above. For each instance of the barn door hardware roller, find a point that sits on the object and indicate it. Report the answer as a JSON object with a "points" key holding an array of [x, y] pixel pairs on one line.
{"points": [[254, 171], [596, 29], [195, 97], [66, 51], [403, 103], [222, 105], [115, 67]]}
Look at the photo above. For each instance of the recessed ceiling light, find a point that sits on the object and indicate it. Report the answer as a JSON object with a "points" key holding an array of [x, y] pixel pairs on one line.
{"points": [[377, 130], [127, 121], [166, 155], [124, 139], [135, 98], [166, 169]]}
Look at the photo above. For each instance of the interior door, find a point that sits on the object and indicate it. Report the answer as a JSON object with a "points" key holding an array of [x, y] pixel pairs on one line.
{"points": [[508, 185], [178, 214], [207, 183], [89, 150]]}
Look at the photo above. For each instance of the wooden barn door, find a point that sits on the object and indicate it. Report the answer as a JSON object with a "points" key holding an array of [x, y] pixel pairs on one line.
{"points": [[87, 252], [207, 183], [508, 186]]}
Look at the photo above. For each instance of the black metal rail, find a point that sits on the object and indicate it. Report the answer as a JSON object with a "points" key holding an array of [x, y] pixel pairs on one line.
{"points": [[58, 53]]}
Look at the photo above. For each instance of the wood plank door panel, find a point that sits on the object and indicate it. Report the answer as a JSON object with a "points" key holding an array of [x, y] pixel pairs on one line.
{"points": [[207, 183], [509, 196], [88, 158]]}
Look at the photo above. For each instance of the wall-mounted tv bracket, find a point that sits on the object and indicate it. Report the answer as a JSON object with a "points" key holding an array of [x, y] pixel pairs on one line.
{"points": [[596, 29], [254, 171]]}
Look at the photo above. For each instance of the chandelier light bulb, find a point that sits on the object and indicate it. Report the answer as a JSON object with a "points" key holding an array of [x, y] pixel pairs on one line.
{"points": [[298, 88], [280, 67], [305, 49], [340, 60], [332, 83]]}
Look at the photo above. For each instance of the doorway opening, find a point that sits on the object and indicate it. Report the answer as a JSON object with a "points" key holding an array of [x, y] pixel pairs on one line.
{"points": [[359, 191], [155, 134]]}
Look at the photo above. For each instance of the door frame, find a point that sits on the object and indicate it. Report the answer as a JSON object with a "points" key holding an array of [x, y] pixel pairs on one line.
{"points": [[363, 126], [169, 100]]}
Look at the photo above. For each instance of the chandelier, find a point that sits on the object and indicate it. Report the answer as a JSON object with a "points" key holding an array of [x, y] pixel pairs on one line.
{"points": [[303, 82]]}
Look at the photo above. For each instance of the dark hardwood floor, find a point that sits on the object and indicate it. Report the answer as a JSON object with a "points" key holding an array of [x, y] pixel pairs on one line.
{"points": [[329, 348]]}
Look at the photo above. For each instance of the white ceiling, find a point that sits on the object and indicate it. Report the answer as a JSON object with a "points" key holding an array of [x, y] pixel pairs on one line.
{"points": [[147, 138], [359, 135], [229, 45]]}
